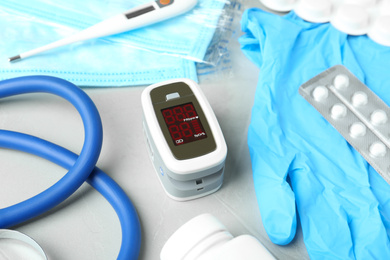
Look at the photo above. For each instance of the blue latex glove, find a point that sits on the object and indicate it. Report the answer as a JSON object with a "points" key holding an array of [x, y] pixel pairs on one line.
{"points": [[302, 166]]}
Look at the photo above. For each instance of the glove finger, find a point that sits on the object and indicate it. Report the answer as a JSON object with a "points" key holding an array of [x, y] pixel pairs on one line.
{"points": [[368, 232], [339, 222], [274, 195], [380, 188], [324, 222]]}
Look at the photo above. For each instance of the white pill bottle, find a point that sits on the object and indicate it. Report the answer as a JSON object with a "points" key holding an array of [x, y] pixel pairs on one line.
{"points": [[205, 238]]}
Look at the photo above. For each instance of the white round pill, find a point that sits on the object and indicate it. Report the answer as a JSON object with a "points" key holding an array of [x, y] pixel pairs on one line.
{"points": [[338, 111], [379, 117], [377, 149], [359, 99], [320, 93], [357, 129], [341, 81]]}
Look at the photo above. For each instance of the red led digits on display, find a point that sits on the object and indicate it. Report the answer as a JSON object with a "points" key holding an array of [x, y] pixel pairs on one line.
{"points": [[183, 124]]}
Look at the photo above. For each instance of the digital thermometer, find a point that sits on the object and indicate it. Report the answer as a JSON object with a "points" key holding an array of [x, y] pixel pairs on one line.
{"points": [[137, 17], [186, 143]]}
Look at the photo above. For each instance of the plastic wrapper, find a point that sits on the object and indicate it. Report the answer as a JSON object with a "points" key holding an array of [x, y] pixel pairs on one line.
{"points": [[199, 36]]}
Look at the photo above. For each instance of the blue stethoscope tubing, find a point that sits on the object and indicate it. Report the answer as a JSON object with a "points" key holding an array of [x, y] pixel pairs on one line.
{"points": [[80, 168]]}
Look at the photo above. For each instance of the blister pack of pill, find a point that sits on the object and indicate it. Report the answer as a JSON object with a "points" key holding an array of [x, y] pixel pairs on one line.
{"points": [[356, 112], [354, 17]]}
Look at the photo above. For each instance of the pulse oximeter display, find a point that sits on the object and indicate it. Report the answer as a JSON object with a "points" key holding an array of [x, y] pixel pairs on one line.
{"points": [[184, 140], [183, 124]]}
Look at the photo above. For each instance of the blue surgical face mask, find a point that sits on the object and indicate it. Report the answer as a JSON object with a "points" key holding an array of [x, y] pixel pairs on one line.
{"points": [[143, 56]]}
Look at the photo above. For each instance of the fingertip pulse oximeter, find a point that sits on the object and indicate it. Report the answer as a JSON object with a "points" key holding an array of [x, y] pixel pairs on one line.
{"points": [[185, 142]]}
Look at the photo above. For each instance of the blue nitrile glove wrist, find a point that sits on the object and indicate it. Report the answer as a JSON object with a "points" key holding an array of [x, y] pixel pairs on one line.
{"points": [[342, 202]]}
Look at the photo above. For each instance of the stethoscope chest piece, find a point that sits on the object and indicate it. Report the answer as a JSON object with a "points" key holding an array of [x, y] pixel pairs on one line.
{"points": [[18, 246]]}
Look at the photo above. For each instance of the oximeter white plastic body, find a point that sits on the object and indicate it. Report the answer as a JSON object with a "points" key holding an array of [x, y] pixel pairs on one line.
{"points": [[186, 144]]}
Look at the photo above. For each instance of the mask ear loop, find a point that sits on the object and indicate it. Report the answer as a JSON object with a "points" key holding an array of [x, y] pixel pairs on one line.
{"points": [[84, 164]]}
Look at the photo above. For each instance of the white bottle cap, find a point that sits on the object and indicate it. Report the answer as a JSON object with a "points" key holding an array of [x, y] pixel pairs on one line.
{"points": [[194, 237], [279, 5], [205, 238], [316, 11], [354, 17], [380, 31]]}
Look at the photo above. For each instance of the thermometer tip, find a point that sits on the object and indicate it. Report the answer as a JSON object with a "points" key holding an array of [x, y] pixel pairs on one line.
{"points": [[14, 58]]}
